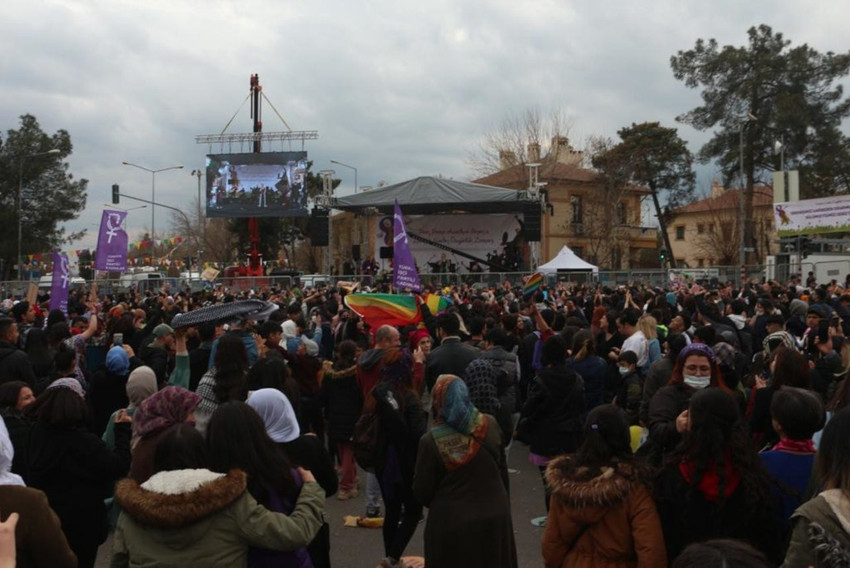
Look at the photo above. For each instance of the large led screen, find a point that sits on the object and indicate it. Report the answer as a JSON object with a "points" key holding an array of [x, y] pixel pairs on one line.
{"points": [[267, 184]]}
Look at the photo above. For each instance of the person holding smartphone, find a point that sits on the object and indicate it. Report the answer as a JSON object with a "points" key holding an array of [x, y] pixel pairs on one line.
{"points": [[824, 360]]}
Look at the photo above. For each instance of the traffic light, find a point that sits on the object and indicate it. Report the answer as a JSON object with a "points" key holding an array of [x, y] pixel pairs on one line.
{"points": [[806, 246], [662, 254], [115, 195]]}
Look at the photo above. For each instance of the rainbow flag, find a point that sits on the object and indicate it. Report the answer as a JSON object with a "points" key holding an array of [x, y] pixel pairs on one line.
{"points": [[385, 309], [437, 303], [532, 284]]}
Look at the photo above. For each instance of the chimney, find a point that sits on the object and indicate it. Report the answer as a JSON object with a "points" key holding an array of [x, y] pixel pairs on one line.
{"points": [[533, 152], [716, 189], [507, 159], [566, 154]]}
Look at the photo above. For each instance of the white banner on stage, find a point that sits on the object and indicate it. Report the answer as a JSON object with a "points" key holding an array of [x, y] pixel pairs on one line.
{"points": [[496, 237]]}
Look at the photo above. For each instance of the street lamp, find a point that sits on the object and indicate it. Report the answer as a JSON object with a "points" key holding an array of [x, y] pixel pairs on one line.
{"points": [[51, 152], [153, 191], [746, 119], [202, 237], [347, 166]]}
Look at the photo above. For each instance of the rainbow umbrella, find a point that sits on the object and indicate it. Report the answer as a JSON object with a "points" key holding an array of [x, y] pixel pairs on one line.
{"points": [[385, 309], [437, 303]]}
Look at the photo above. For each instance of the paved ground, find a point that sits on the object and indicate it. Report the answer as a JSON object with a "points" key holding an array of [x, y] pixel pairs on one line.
{"points": [[363, 548]]}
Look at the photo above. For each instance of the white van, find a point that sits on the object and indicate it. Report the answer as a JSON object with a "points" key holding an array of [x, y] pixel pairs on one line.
{"points": [[46, 282]]}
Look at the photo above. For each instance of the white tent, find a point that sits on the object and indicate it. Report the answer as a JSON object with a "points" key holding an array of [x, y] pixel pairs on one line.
{"points": [[567, 261]]}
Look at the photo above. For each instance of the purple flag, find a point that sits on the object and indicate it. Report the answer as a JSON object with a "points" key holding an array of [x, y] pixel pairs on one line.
{"points": [[61, 282], [111, 242], [404, 268]]}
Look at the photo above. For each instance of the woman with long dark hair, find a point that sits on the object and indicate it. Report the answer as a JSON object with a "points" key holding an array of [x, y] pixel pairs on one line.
{"points": [[226, 380], [592, 368], [187, 515], [788, 367], [73, 466], [602, 512], [713, 485], [237, 438]]}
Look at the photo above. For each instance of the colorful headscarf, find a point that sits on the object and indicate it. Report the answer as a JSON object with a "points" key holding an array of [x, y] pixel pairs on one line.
{"points": [[778, 339], [480, 378], [458, 426], [170, 406], [277, 414]]}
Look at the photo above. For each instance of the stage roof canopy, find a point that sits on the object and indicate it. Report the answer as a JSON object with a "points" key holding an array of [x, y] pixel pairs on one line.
{"points": [[430, 195]]}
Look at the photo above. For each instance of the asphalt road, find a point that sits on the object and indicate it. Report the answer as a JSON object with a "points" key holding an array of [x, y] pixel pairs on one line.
{"points": [[363, 548]]}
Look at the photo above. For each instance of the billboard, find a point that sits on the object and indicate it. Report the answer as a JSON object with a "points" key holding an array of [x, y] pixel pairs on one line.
{"points": [[812, 216], [268, 184], [489, 237]]}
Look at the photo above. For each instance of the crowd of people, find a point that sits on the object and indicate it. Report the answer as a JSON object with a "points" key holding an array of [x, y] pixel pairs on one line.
{"points": [[683, 426]]}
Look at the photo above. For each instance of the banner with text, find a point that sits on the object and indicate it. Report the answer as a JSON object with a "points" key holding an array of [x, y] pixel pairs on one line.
{"points": [[812, 216], [111, 242], [405, 276], [489, 237]]}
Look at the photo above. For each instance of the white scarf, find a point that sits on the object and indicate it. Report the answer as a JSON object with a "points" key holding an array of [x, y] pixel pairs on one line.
{"points": [[277, 414], [7, 453]]}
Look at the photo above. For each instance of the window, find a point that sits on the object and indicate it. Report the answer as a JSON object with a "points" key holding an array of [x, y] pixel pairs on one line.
{"points": [[576, 212], [711, 228], [700, 262], [700, 228], [680, 232], [622, 214]]}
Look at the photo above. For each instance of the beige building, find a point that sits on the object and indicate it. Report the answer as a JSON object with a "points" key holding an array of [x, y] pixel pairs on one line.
{"points": [[705, 233], [601, 224]]}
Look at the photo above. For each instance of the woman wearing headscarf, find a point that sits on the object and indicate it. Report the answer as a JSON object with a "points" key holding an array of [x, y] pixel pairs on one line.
{"points": [[108, 385], [140, 385], [73, 466], [461, 476], [306, 451], [152, 419], [482, 381], [39, 540]]}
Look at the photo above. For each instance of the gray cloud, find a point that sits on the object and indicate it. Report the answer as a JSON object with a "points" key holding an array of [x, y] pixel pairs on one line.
{"points": [[397, 89]]}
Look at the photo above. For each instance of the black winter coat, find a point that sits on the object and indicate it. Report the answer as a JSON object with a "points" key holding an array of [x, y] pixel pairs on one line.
{"points": [[401, 423], [76, 470], [666, 405], [551, 419], [15, 365], [342, 400]]}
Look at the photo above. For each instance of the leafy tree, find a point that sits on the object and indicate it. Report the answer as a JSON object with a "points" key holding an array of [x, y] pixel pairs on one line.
{"points": [[50, 195], [655, 157], [789, 91]]}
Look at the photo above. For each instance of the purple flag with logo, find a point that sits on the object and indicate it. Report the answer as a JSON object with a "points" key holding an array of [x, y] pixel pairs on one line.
{"points": [[61, 282], [111, 242], [404, 268]]}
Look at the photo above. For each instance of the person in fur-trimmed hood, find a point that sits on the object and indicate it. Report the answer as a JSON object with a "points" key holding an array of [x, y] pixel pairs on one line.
{"points": [[601, 513], [186, 515]]}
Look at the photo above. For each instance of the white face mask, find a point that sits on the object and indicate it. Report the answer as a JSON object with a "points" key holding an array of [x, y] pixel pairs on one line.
{"points": [[697, 382], [624, 371]]}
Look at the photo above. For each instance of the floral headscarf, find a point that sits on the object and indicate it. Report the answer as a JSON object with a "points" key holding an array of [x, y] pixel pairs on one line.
{"points": [[170, 406], [458, 426]]}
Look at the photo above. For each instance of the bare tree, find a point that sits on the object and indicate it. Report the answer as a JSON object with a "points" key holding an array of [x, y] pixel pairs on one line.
{"points": [[212, 236], [508, 144], [717, 234]]}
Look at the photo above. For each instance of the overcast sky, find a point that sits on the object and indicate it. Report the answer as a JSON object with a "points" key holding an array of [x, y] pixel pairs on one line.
{"points": [[395, 88]]}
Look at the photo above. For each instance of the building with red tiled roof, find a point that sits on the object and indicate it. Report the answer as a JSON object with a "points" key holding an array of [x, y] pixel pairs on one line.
{"points": [[601, 224], [705, 232]]}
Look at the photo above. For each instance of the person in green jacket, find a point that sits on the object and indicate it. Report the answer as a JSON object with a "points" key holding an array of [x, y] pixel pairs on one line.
{"points": [[187, 515]]}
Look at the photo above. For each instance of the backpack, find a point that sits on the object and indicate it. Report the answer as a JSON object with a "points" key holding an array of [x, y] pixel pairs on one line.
{"points": [[364, 439]]}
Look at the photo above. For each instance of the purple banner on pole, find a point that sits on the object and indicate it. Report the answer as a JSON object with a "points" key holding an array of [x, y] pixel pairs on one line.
{"points": [[111, 242], [404, 267], [61, 283]]}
